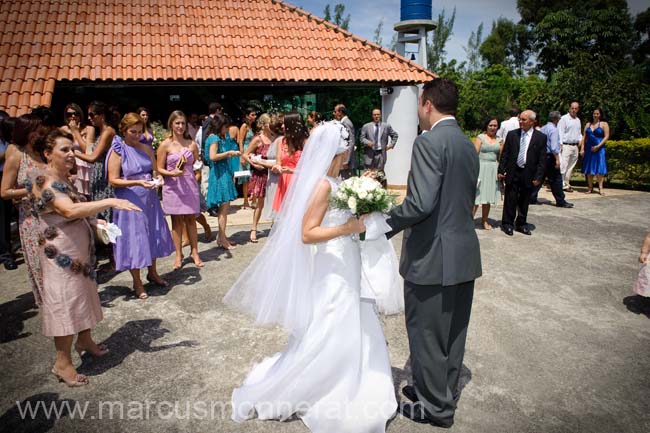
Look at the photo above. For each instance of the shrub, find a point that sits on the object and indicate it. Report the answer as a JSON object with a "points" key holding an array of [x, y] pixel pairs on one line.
{"points": [[628, 161]]}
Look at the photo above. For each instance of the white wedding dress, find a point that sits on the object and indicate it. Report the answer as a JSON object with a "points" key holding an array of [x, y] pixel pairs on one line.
{"points": [[337, 376]]}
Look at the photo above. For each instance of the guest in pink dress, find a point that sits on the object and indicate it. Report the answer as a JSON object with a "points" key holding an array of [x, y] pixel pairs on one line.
{"points": [[83, 139], [176, 156], [256, 156], [289, 153], [66, 252]]}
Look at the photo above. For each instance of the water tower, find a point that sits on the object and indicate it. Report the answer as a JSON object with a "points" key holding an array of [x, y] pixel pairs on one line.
{"points": [[415, 22], [400, 104]]}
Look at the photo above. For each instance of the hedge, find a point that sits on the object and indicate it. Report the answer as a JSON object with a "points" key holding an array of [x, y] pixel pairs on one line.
{"points": [[628, 161]]}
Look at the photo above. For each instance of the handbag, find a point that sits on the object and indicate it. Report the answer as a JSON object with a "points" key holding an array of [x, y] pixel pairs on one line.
{"points": [[102, 234], [180, 165]]}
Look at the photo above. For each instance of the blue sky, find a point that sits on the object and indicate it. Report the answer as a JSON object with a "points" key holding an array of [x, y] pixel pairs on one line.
{"points": [[366, 14]]}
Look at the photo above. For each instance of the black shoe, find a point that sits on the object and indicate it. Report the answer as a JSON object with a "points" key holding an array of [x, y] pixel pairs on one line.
{"points": [[507, 230], [566, 204], [524, 229], [213, 212], [409, 392], [416, 413], [10, 264], [535, 202]]}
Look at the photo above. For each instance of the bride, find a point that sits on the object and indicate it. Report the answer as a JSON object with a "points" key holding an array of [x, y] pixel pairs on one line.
{"points": [[335, 372]]}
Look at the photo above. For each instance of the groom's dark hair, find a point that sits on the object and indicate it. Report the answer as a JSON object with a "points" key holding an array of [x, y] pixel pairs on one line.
{"points": [[442, 93]]}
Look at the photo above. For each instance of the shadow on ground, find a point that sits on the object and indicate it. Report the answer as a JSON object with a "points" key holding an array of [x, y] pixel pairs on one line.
{"points": [[18, 418], [638, 305], [14, 314], [133, 336]]}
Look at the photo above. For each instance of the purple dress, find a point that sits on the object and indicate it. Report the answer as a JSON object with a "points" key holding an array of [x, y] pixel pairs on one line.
{"points": [[145, 140], [145, 235], [180, 195]]}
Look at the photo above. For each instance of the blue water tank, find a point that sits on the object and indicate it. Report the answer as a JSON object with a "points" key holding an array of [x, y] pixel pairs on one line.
{"points": [[415, 10]]}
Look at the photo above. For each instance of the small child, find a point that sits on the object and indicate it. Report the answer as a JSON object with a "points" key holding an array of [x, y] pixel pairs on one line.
{"points": [[642, 284]]}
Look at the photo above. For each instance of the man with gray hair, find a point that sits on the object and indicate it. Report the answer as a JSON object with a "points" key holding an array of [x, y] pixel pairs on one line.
{"points": [[341, 114], [552, 172], [570, 131], [522, 168]]}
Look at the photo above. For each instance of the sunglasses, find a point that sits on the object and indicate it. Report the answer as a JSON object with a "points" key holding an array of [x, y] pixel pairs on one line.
{"points": [[90, 114], [71, 113]]}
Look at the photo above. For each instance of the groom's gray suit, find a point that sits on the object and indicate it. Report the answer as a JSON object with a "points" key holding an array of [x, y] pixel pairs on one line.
{"points": [[440, 260]]}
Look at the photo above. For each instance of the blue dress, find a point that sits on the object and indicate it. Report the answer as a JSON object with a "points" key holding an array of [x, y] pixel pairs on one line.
{"points": [[221, 187], [594, 162]]}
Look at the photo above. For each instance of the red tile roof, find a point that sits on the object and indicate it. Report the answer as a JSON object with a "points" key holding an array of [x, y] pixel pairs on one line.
{"points": [[45, 41]]}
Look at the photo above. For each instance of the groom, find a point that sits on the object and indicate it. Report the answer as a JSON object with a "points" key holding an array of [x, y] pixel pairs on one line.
{"points": [[440, 254]]}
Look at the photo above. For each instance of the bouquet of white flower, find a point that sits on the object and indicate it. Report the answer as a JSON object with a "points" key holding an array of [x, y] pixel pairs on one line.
{"points": [[362, 195]]}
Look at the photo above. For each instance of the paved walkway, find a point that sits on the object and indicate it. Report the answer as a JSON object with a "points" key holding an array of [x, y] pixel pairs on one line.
{"points": [[557, 342]]}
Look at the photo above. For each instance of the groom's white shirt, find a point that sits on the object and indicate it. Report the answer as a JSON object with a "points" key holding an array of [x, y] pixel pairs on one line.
{"points": [[440, 120]]}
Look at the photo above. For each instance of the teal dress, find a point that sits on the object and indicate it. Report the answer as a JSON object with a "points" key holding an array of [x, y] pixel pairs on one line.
{"points": [[221, 187], [488, 189], [245, 166]]}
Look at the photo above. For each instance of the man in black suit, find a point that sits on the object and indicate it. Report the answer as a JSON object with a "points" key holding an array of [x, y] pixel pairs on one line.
{"points": [[522, 167]]}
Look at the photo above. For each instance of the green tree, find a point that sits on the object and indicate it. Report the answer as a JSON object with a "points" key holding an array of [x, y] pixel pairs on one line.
{"points": [[472, 49], [393, 42], [564, 28], [641, 53], [339, 12], [483, 93], [508, 44], [327, 14], [439, 37], [377, 37]]}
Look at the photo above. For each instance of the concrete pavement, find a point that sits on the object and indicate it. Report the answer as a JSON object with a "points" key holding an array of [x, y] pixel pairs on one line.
{"points": [[557, 341]]}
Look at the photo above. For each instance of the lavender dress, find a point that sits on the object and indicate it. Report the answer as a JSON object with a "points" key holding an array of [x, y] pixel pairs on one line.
{"points": [[180, 195], [145, 235]]}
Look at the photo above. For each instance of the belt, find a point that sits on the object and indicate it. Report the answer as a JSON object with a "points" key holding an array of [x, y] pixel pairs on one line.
{"points": [[572, 144]]}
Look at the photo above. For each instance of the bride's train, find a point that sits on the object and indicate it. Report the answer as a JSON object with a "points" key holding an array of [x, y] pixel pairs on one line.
{"points": [[337, 376]]}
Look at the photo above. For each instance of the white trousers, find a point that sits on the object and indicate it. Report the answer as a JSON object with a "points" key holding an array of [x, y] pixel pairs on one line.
{"points": [[568, 160]]}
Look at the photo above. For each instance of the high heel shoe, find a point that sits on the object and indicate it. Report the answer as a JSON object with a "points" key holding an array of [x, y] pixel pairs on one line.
{"points": [[229, 246], [80, 379], [157, 281], [197, 261], [253, 236], [207, 233], [178, 266], [140, 293], [103, 350]]}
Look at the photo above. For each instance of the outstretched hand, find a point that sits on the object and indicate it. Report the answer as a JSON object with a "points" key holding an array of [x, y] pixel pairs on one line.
{"points": [[125, 205]]}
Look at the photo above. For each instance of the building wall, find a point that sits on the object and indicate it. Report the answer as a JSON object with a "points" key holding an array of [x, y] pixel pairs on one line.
{"points": [[400, 109]]}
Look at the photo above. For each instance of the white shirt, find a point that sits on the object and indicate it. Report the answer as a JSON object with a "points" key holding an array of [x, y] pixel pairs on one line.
{"points": [[444, 118], [197, 139], [526, 135], [507, 126], [570, 129]]}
